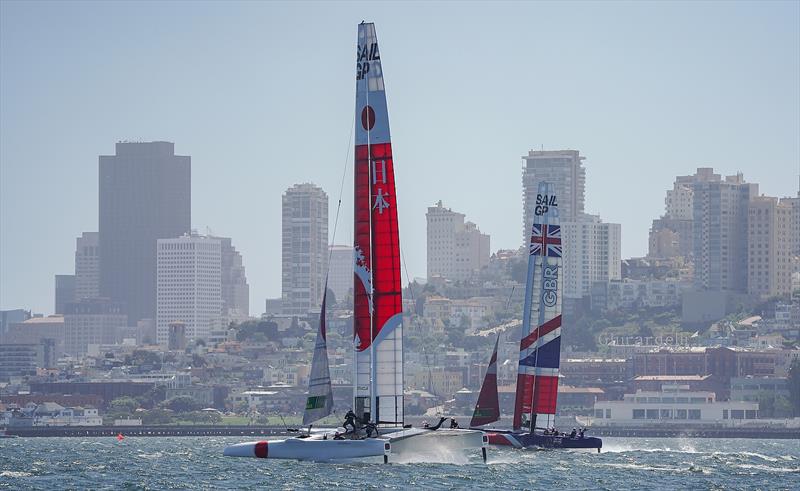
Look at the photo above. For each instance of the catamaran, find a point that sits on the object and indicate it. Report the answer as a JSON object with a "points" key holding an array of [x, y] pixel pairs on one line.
{"points": [[540, 346], [378, 429]]}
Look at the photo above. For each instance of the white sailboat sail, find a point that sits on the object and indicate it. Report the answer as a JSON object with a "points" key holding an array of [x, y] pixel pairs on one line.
{"points": [[320, 394]]}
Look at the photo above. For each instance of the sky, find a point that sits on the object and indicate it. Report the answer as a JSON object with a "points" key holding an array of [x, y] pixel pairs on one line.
{"points": [[261, 96]]}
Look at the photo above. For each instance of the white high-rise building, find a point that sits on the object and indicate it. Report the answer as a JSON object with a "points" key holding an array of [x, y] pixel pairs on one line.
{"points": [[456, 249], [304, 258], [563, 169], [340, 276], [592, 252], [769, 246], [189, 286], [719, 225], [87, 266]]}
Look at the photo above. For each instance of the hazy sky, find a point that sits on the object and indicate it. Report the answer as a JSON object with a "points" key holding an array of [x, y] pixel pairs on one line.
{"points": [[261, 95]]}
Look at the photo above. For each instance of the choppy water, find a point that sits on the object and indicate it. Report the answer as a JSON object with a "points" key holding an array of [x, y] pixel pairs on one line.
{"points": [[197, 463]]}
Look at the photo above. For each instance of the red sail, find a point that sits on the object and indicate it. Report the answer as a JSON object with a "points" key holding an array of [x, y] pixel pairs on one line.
{"points": [[487, 410], [377, 290]]}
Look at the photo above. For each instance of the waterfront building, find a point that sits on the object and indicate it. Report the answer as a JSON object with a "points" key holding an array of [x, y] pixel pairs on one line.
{"points": [[564, 170], [87, 266], [65, 291], [304, 256], [145, 195], [674, 404], [91, 322], [769, 246], [592, 253], [456, 249], [340, 275], [189, 286], [720, 213]]}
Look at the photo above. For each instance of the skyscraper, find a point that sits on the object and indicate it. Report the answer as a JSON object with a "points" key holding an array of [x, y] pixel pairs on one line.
{"points": [[65, 291], [719, 224], [92, 321], [87, 266], [340, 278], [769, 246], [235, 290], [145, 195], [304, 259], [562, 168], [671, 235], [456, 249], [189, 286], [592, 253]]}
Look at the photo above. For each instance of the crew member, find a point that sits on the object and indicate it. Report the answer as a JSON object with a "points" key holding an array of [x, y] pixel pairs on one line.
{"points": [[350, 420]]}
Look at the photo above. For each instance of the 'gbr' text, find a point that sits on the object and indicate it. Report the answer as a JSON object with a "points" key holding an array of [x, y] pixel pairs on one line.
{"points": [[365, 55]]}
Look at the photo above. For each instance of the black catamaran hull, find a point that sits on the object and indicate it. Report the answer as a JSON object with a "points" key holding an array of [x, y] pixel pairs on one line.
{"points": [[532, 440]]}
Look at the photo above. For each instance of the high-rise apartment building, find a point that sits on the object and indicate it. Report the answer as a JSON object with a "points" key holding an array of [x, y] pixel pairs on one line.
{"points": [[719, 214], [456, 249], [592, 253], [671, 235], [65, 291], [145, 195], [304, 258], [189, 286], [769, 246], [235, 290], [87, 266], [340, 275], [562, 168], [92, 321]]}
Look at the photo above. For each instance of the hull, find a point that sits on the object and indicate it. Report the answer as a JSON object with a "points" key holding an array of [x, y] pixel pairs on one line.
{"points": [[403, 445], [529, 440], [313, 449]]}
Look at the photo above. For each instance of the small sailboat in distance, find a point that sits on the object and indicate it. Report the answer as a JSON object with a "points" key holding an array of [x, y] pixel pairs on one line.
{"points": [[540, 346], [377, 426]]}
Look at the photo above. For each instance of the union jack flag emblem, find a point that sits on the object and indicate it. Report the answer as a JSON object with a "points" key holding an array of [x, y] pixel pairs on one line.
{"points": [[546, 240]]}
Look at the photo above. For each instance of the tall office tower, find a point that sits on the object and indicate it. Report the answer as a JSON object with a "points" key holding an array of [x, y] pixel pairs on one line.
{"points": [[340, 276], [145, 195], [87, 266], [719, 213], [769, 246], [671, 234], [456, 249], [304, 258], [592, 252], [65, 291], [235, 290], [562, 168], [92, 321], [189, 286]]}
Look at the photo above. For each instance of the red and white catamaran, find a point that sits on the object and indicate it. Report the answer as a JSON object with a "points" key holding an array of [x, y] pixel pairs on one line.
{"points": [[378, 311], [540, 346]]}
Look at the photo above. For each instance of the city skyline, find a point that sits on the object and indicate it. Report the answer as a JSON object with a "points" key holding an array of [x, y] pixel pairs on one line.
{"points": [[734, 120]]}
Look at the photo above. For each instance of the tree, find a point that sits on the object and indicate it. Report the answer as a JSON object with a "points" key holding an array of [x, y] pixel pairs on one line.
{"points": [[157, 417], [793, 381], [124, 405], [181, 404]]}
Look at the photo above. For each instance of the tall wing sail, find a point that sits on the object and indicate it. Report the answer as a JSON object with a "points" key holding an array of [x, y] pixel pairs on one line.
{"points": [[320, 395], [487, 410], [540, 347], [378, 387]]}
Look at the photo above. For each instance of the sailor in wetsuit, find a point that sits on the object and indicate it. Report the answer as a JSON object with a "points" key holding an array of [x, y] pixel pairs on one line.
{"points": [[573, 433], [453, 423], [350, 420]]}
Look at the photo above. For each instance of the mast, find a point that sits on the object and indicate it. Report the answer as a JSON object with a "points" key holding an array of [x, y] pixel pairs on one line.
{"points": [[377, 319], [540, 346]]}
